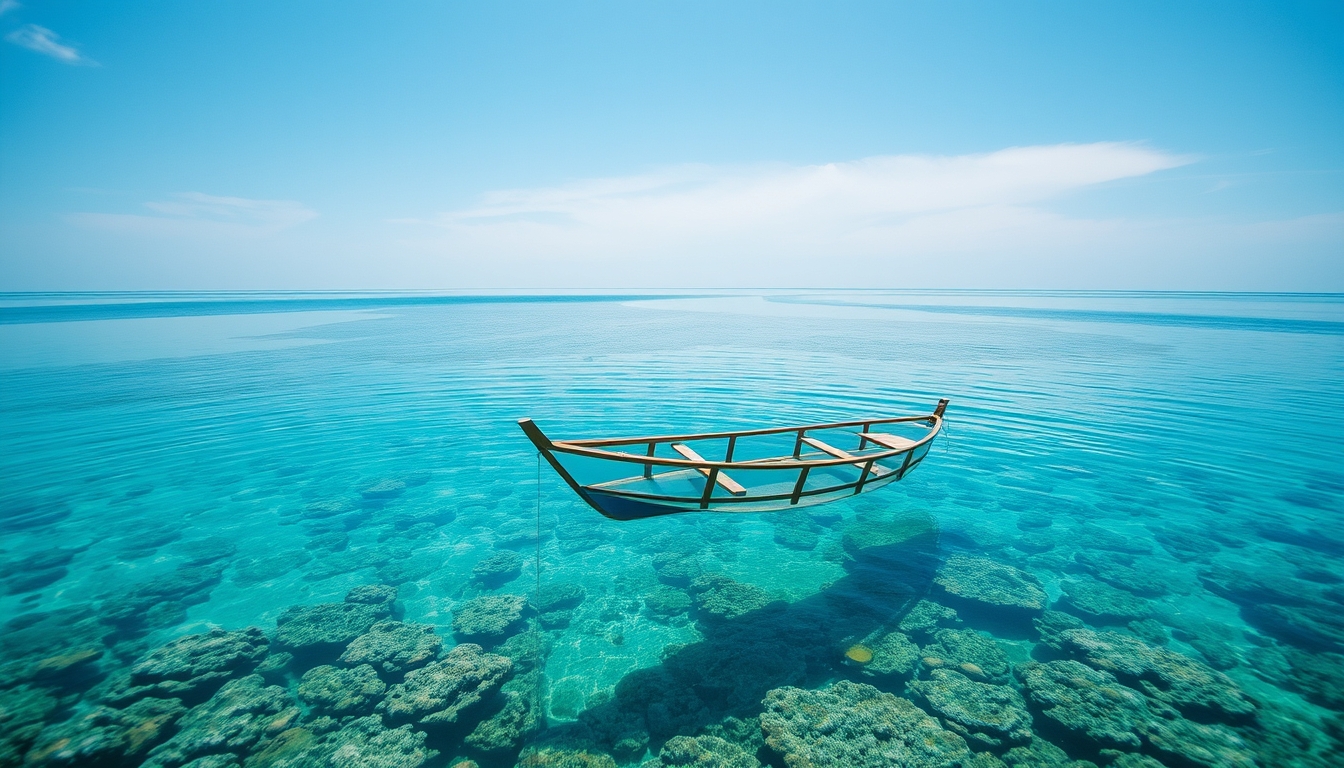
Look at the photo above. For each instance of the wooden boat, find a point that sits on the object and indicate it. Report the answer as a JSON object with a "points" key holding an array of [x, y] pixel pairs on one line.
{"points": [[762, 470]]}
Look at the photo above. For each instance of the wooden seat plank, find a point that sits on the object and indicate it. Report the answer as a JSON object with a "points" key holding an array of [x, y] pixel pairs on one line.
{"points": [[876, 471], [894, 442], [721, 478]]}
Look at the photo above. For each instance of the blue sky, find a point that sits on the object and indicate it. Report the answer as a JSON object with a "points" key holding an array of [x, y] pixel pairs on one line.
{"points": [[301, 145]]}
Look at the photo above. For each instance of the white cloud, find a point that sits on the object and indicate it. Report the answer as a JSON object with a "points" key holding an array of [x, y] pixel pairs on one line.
{"points": [[8, 5], [45, 42], [194, 214], [842, 223]]}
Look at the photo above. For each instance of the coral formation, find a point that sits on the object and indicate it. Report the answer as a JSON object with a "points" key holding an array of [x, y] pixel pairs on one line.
{"points": [[702, 752], [106, 736], [341, 692], [238, 716], [961, 647], [980, 584], [987, 716], [393, 647], [194, 666], [1100, 603], [1191, 686], [718, 597], [852, 725], [489, 618], [664, 602], [498, 569], [894, 655], [439, 692], [325, 625]]}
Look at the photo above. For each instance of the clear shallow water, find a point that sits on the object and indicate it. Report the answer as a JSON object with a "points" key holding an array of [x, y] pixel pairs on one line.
{"points": [[191, 463]]}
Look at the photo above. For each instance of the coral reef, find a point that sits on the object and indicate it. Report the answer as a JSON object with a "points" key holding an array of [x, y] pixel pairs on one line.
{"points": [[926, 617], [702, 752], [193, 667], [393, 647], [563, 758], [664, 602], [341, 692], [22, 712], [325, 626], [1118, 570], [498, 569], [238, 716], [987, 716], [1086, 702], [106, 736], [1100, 603], [974, 654], [894, 655], [718, 597], [980, 584], [851, 725], [440, 691], [489, 618], [1191, 686]]}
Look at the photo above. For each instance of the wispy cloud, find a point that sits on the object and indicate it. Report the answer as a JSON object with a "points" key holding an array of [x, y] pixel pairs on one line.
{"points": [[778, 223], [8, 5], [193, 214], [46, 42]]}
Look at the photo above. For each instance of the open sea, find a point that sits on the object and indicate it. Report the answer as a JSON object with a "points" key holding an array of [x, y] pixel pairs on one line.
{"points": [[255, 530]]}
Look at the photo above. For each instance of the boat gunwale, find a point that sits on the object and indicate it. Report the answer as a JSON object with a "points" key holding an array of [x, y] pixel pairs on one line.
{"points": [[590, 447]]}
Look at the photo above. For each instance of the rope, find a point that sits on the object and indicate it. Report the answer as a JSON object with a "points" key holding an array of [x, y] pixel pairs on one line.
{"points": [[540, 672]]}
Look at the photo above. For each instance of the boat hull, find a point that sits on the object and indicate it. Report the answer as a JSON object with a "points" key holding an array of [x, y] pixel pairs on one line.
{"points": [[669, 475]]}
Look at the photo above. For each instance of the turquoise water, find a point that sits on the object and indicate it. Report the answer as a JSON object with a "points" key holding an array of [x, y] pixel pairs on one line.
{"points": [[1165, 469]]}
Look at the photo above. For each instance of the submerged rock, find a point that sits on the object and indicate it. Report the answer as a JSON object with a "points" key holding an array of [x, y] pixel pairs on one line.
{"points": [[894, 655], [360, 743], [262, 569], [341, 692], [162, 600], [393, 647], [664, 602], [702, 752], [327, 625], [194, 666], [106, 736], [489, 618], [927, 617], [560, 597], [1086, 702], [237, 717], [1100, 603], [987, 716], [972, 653], [548, 757], [676, 569], [1118, 570], [718, 597], [440, 691], [498, 569], [22, 712], [515, 722], [1191, 686], [978, 583], [851, 725], [207, 550]]}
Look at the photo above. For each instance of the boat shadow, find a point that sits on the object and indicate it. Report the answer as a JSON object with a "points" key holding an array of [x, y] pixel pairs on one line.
{"points": [[889, 567]]}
